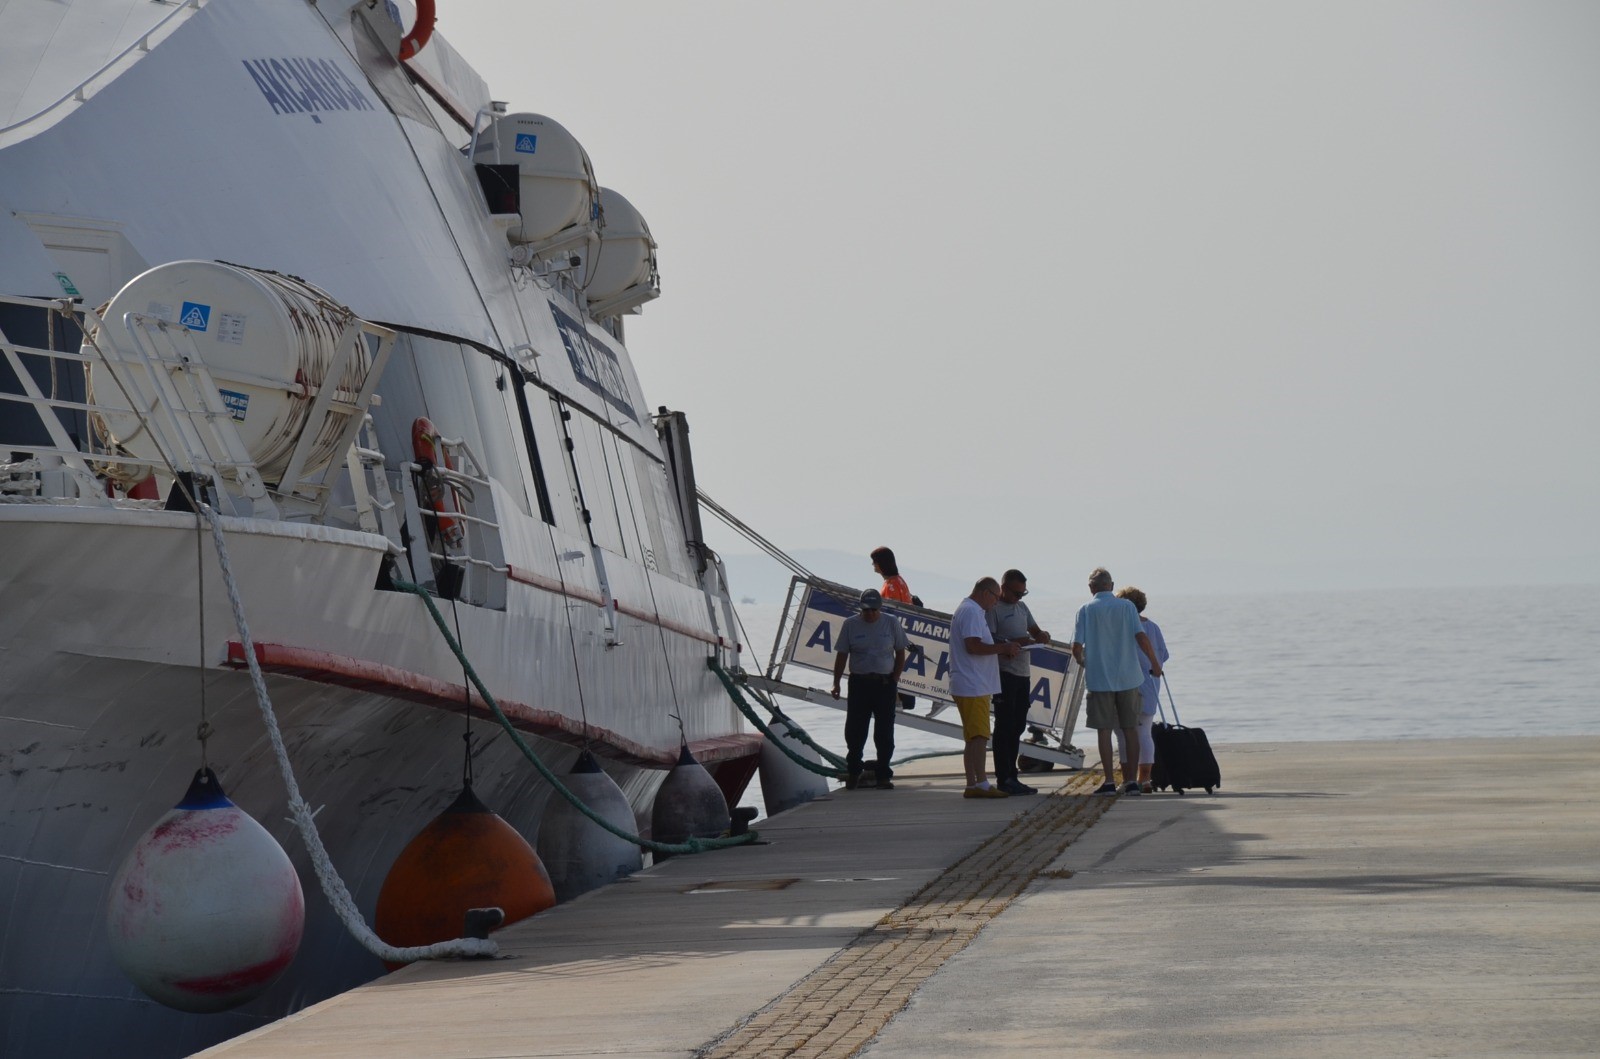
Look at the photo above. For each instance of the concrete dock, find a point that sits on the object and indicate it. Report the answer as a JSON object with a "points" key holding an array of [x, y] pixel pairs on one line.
{"points": [[1423, 897]]}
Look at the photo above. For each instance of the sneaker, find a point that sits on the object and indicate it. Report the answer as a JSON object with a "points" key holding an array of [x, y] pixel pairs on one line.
{"points": [[983, 792], [884, 785], [1131, 788], [1017, 787], [1147, 788], [1106, 788]]}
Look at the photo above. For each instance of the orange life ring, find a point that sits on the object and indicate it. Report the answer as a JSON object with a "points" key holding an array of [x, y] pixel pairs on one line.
{"points": [[421, 30], [428, 450]]}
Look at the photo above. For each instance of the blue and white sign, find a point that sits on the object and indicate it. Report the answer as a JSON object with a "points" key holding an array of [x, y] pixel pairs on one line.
{"points": [[195, 316], [927, 670], [237, 404], [594, 365], [527, 143]]}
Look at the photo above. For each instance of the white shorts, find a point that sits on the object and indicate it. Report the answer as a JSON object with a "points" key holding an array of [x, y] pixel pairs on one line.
{"points": [[1147, 746]]}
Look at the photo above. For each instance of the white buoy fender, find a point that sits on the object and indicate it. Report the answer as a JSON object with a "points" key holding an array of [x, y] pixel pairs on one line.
{"points": [[784, 782], [689, 803], [206, 911], [579, 854]]}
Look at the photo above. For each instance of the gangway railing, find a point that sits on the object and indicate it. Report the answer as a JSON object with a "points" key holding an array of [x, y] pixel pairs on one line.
{"points": [[749, 533]]}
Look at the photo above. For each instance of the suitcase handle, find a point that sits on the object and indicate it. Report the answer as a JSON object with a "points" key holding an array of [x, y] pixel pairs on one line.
{"points": [[1174, 705]]}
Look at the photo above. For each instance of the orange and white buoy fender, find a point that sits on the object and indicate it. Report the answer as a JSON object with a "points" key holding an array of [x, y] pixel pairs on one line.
{"points": [[206, 911], [428, 449], [421, 30], [466, 859]]}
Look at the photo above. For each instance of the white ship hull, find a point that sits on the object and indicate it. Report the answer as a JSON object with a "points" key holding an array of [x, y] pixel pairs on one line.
{"points": [[587, 606]]}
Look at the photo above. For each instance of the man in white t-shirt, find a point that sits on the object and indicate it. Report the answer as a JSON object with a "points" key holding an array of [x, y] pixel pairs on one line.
{"points": [[1010, 619], [975, 680]]}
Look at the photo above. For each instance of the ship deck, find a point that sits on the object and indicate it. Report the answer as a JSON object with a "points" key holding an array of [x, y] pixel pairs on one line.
{"points": [[1422, 897]]}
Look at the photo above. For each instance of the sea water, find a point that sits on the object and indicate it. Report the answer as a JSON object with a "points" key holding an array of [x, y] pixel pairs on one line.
{"points": [[1403, 663]]}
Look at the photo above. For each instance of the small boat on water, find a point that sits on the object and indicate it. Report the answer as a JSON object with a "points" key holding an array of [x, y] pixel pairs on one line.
{"points": [[290, 264]]}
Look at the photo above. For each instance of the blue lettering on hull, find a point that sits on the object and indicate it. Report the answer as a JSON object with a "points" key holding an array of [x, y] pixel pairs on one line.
{"points": [[304, 85]]}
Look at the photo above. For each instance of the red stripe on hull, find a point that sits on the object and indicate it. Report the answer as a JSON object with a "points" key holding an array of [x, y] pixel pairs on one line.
{"points": [[550, 584], [324, 667]]}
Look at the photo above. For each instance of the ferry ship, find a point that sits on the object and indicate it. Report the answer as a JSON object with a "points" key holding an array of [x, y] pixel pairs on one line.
{"points": [[290, 264]]}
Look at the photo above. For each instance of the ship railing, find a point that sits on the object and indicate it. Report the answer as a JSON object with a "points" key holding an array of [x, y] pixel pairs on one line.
{"points": [[83, 89], [373, 506], [52, 456], [455, 546]]}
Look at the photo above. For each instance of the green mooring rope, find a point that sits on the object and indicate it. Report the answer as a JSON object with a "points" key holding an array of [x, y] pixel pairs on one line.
{"points": [[797, 732], [691, 845], [837, 772]]}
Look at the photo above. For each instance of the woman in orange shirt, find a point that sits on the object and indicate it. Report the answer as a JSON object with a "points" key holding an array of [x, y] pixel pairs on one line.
{"points": [[894, 587]]}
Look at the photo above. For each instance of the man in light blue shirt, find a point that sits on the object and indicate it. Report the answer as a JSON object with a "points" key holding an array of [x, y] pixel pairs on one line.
{"points": [[1106, 640]]}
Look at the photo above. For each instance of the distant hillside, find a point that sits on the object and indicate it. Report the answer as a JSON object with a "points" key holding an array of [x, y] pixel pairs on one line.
{"points": [[765, 581]]}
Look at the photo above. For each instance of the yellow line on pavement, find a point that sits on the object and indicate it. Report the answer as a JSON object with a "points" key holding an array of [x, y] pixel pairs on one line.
{"points": [[834, 1011]]}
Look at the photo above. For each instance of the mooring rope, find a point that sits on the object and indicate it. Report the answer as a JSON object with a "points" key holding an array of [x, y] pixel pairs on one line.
{"points": [[767, 700], [836, 772], [798, 733], [689, 845], [333, 887]]}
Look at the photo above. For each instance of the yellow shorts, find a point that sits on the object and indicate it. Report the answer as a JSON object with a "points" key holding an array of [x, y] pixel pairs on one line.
{"points": [[974, 715]]}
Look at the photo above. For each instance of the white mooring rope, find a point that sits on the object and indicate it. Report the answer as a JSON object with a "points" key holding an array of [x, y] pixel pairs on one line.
{"points": [[333, 886]]}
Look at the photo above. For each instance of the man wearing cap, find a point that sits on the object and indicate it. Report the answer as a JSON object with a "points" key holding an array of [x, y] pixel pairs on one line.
{"points": [[874, 645], [1108, 632]]}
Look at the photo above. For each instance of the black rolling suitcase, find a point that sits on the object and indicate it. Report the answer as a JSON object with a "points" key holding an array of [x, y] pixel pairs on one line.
{"points": [[1184, 760]]}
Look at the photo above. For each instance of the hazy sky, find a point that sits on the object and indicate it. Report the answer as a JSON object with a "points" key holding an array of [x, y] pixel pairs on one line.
{"points": [[1288, 294]]}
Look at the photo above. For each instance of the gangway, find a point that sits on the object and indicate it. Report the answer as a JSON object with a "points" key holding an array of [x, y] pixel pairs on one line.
{"points": [[1036, 746], [815, 609]]}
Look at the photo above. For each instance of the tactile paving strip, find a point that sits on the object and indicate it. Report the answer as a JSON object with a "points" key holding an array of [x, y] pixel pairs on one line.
{"points": [[834, 1011]]}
